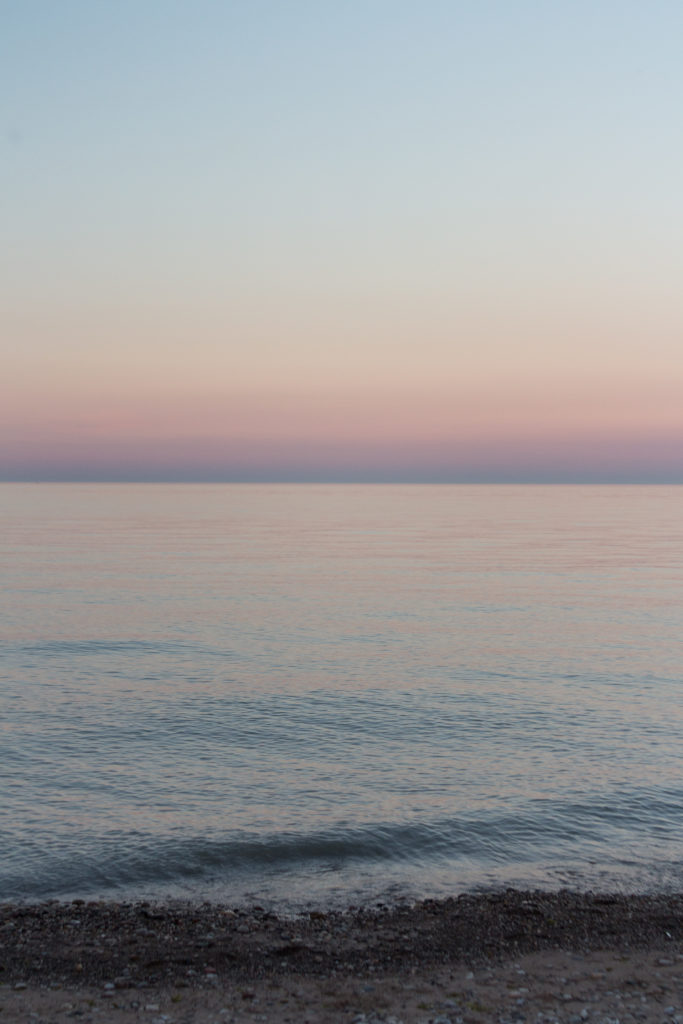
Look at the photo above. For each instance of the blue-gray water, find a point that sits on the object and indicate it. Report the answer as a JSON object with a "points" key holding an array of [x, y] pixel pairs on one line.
{"points": [[333, 693]]}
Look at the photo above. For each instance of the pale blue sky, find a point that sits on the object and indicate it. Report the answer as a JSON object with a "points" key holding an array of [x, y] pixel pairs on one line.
{"points": [[193, 168]]}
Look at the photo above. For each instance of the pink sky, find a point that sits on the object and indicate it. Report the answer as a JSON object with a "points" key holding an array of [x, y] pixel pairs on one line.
{"points": [[247, 247]]}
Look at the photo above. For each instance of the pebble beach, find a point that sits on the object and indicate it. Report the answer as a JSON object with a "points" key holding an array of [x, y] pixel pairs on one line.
{"points": [[509, 957]]}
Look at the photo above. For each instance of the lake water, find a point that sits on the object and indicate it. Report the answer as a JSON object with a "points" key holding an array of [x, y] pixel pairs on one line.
{"points": [[331, 694]]}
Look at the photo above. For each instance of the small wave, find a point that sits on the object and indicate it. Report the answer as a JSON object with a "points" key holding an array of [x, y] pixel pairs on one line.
{"points": [[134, 859], [622, 832], [133, 647]]}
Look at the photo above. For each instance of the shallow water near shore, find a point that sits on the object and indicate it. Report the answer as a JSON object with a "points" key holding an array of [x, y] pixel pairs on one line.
{"points": [[330, 694]]}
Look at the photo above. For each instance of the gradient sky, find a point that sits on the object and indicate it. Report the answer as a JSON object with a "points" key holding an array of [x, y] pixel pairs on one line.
{"points": [[344, 240]]}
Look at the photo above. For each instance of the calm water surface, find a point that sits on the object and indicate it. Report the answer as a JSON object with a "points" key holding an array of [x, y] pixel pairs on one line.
{"points": [[335, 693]]}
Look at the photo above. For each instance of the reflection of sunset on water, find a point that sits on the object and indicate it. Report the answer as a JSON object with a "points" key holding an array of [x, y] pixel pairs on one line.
{"points": [[335, 690]]}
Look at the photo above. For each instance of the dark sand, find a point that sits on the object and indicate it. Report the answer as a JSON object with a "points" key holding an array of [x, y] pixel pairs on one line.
{"points": [[508, 957]]}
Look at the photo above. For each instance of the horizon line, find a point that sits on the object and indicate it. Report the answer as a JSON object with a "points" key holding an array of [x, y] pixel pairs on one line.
{"points": [[350, 482]]}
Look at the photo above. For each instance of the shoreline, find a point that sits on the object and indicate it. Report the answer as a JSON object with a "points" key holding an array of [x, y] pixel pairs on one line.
{"points": [[119, 959]]}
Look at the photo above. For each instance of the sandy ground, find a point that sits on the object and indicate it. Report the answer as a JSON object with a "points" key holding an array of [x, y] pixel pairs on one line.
{"points": [[540, 987], [512, 957]]}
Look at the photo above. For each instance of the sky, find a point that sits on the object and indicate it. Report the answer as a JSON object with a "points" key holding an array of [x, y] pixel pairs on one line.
{"points": [[365, 240]]}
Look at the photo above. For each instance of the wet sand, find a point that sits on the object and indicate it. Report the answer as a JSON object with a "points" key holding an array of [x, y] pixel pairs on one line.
{"points": [[504, 957]]}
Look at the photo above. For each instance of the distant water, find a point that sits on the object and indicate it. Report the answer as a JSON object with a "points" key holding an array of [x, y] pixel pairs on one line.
{"points": [[297, 694]]}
